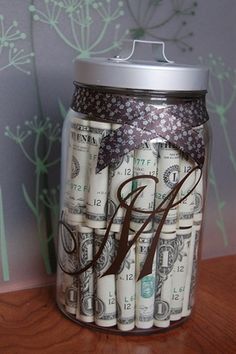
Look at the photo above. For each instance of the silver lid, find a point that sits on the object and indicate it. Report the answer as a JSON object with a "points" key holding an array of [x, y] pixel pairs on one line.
{"points": [[125, 71]]}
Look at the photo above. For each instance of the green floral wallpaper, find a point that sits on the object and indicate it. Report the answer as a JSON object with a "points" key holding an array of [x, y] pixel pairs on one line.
{"points": [[39, 39], [83, 19]]}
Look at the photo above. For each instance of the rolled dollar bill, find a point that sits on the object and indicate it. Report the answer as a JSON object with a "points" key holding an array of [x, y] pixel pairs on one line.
{"points": [[85, 306], [125, 290], [60, 287], [96, 205], [76, 180], [189, 290], [186, 207], [118, 173], [145, 287], [105, 298], [68, 248], [168, 175], [180, 272], [145, 163], [198, 199], [167, 251], [62, 262]]}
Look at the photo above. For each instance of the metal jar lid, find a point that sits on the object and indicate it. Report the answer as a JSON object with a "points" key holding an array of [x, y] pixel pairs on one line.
{"points": [[127, 72]]}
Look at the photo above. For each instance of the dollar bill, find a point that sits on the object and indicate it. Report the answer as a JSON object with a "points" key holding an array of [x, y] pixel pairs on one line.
{"points": [[105, 298], [145, 163], [145, 287], [168, 175], [76, 180], [167, 252], [96, 205], [60, 275], [68, 255], [190, 290], [180, 272], [192, 259], [198, 199], [85, 307], [125, 290], [118, 173], [186, 207]]}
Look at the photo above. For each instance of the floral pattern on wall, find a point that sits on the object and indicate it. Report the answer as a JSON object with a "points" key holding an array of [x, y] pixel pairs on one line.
{"points": [[84, 18]]}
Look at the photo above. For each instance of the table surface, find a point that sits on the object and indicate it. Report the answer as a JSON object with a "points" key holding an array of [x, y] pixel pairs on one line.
{"points": [[31, 323]]}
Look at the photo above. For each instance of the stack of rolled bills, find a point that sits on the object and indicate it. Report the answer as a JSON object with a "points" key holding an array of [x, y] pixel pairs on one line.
{"points": [[90, 204]]}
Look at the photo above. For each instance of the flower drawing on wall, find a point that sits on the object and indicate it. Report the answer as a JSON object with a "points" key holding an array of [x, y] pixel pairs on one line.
{"points": [[10, 54], [152, 16], [220, 98], [42, 160], [82, 24]]}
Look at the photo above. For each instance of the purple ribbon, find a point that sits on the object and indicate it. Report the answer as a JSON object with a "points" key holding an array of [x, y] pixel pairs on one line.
{"points": [[142, 122]]}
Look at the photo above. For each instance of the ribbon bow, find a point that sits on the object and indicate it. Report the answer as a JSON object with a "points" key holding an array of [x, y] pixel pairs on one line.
{"points": [[141, 122]]}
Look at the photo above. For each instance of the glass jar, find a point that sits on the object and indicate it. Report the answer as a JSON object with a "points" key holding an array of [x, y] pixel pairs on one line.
{"points": [[133, 185]]}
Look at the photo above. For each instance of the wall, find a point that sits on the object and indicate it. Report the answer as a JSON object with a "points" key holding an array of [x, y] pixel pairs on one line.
{"points": [[39, 39]]}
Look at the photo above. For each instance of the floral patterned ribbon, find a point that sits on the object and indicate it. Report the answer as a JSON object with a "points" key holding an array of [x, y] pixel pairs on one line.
{"points": [[141, 122]]}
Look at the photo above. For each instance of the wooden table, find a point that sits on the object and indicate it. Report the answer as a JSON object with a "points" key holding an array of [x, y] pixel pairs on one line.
{"points": [[31, 323]]}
